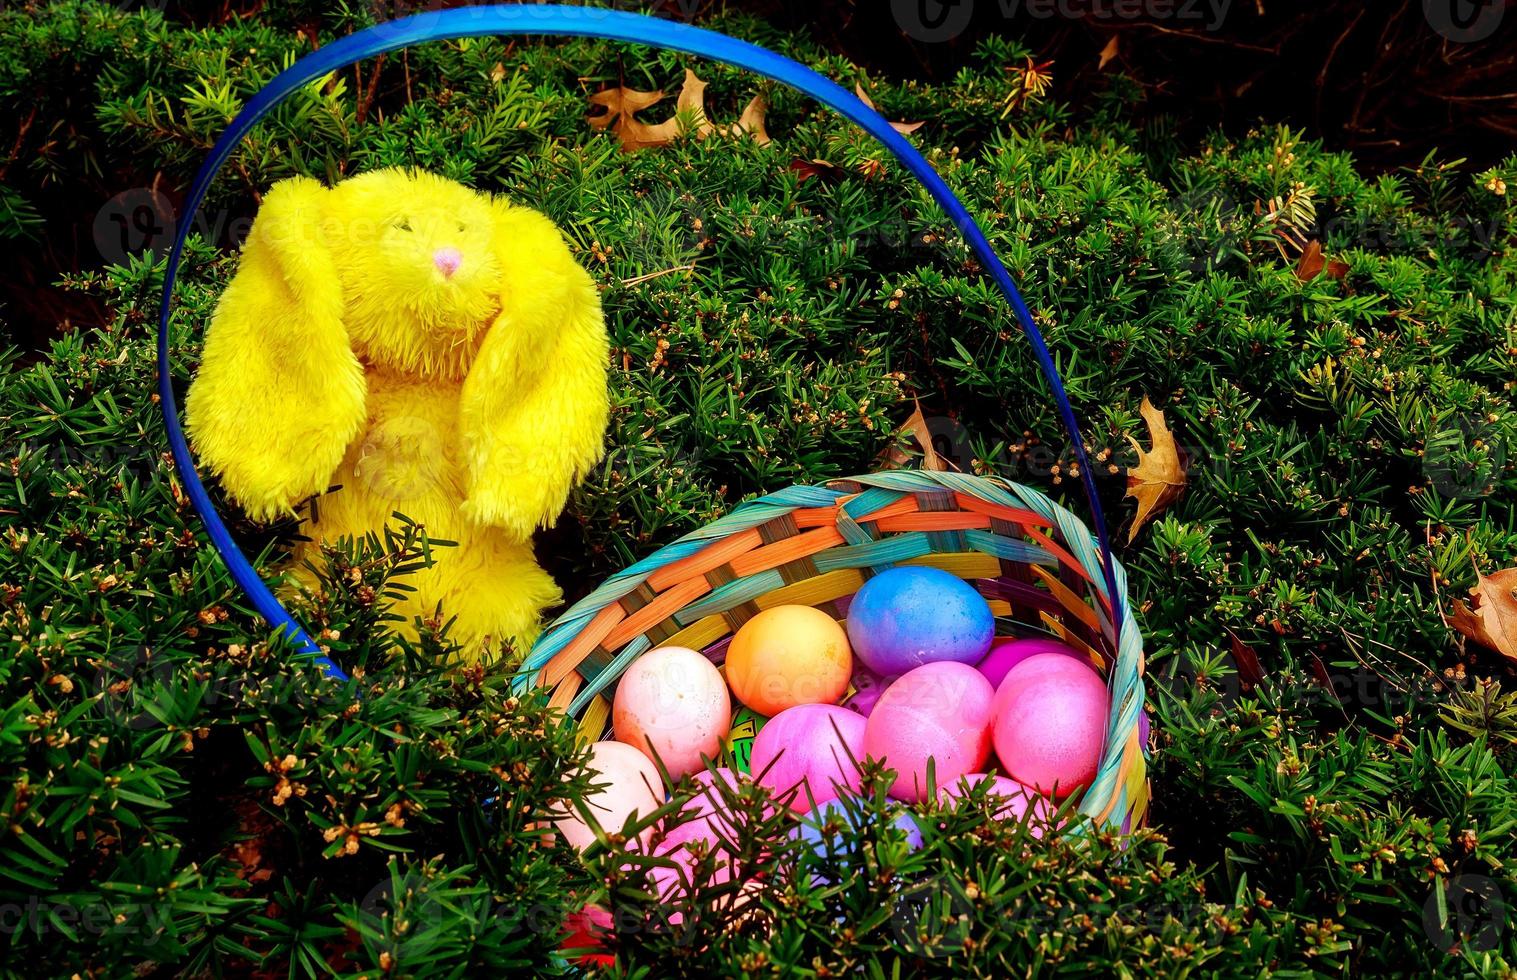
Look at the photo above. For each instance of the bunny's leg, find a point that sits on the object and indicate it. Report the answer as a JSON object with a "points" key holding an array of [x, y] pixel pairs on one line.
{"points": [[497, 592]]}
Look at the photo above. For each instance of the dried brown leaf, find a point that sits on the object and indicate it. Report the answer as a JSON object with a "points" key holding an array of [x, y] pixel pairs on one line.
{"points": [[903, 128], [1160, 475], [690, 117], [1490, 617], [914, 430], [751, 122], [1309, 266], [621, 105], [1112, 49], [1249, 671], [806, 169]]}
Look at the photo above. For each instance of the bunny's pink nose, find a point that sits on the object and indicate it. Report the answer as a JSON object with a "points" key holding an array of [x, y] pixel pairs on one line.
{"points": [[447, 261]]}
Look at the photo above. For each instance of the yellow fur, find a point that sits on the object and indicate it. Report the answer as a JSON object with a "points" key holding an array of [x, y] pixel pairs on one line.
{"points": [[341, 354]]}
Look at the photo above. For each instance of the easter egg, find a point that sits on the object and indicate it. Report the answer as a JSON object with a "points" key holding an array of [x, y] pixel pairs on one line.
{"points": [[672, 705], [737, 747], [938, 714], [1050, 723], [1006, 652], [627, 782], [828, 821], [688, 848], [823, 830], [587, 936], [909, 616], [807, 753], [706, 824], [786, 656], [711, 805], [867, 688], [1011, 799]]}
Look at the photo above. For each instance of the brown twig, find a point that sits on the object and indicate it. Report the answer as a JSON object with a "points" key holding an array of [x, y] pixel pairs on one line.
{"points": [[366, 94], [21, 131]]}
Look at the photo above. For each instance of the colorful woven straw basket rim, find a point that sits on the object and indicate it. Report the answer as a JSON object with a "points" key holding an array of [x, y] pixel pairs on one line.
{"points": [[1037, 564]]}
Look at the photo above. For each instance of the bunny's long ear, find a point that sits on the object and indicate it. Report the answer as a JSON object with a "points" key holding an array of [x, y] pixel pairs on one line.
{"points": [[534, 406], [280, 393]]}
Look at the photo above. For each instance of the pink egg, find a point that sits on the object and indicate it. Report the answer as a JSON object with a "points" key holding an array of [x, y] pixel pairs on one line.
{"points": [[1017, 800], [810, 749], [673, 705], [1008, 651], [687, 845], [1050, 723], [940, 712], [629, 783]]}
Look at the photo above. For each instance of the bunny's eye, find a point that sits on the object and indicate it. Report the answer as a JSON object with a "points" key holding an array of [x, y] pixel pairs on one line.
{"points": [[404, 224], [462, 226]]}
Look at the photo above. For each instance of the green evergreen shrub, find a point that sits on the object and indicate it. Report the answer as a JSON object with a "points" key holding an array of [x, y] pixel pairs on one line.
{"points": [[180, 798]]}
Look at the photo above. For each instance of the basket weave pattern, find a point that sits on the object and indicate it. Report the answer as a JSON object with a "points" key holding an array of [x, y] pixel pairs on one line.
{"points": [[1036, 563]]}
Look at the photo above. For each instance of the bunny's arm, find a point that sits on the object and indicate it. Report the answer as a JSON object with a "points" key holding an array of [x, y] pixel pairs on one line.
{"points": [[279, 394], [534, 406]]}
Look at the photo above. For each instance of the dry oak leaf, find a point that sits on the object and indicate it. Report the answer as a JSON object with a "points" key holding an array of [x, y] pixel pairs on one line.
{"points": [[1160, 474], [1313, 263], [1490, 617], [1112, 49], [622, 104], [751, 122], [915, 430], [901, 127]]}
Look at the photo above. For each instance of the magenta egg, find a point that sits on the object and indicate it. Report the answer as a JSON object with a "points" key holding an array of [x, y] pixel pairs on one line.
{"points": [[867, 688], [1008, 651], [1015, 800], [810, 751], [940, 713], [1050, 723]]}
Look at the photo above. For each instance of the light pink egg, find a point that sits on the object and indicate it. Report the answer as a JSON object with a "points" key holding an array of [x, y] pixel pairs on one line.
{"points": [[1008, 651], [1018, 799], [1050, 723], [939, 713], [672, 704], [629, 783], [811, 749]]}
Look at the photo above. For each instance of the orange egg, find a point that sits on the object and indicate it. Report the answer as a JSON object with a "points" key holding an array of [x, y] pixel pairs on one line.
{"points": [[786, 656]]}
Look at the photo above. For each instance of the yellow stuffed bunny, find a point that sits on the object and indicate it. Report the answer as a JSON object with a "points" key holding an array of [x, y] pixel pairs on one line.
{"points": [[429, 349]]}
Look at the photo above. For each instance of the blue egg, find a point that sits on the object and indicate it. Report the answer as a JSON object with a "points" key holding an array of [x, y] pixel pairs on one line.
{"points": [[811, 829], [913, 615]]}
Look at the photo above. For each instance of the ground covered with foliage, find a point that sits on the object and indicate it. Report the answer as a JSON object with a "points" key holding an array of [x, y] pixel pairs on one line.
{"points": [[1335, 352]]}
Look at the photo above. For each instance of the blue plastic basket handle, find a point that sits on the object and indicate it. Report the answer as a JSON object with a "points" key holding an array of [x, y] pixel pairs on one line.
{"points": [[581, 22]]}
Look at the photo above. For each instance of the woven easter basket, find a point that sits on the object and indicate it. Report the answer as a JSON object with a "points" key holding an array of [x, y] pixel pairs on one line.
{"points": [[1042, 570], [1034, 561]]}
